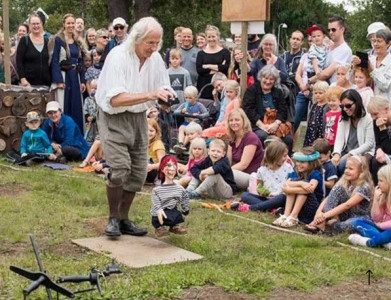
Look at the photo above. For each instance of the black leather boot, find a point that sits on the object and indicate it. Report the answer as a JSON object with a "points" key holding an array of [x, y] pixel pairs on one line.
{"points": [[114, 195]]}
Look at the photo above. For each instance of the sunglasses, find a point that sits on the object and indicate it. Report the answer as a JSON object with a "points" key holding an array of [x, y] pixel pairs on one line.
{"points": [[119, 27], [347, 106], [332, 29], [104, 37]]}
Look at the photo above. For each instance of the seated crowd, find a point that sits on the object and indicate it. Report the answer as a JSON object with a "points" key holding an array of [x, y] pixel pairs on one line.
{"points": [[241, 150]]}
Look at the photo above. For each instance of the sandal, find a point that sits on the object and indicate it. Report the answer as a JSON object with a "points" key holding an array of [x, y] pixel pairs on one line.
{"points": [[311, 228], [280, 220], [84, 164], [290, 222]]}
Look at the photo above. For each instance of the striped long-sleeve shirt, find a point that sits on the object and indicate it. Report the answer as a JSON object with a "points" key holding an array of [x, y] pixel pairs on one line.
{"points": [[168, 196]]}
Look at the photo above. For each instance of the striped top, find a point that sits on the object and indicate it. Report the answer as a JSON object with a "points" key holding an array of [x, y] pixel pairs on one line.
{"points": [[168, 196]]}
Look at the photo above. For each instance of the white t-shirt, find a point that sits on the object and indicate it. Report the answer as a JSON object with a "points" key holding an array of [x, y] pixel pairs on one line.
{"points": [[273, 180], [342, 55], [121, 74]]}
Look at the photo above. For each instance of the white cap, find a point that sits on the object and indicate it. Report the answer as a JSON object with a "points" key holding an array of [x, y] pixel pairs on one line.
{"points": [[52, 106], [375, 27], [119, 21]]}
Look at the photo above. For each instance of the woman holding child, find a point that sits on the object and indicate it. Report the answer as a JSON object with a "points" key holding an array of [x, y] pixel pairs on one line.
{"points": [[245, 150], [266, 107], [355, 135]]}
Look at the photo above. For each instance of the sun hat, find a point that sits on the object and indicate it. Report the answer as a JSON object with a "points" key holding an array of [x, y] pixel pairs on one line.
{"points": [[119, 21], [375, 27]]}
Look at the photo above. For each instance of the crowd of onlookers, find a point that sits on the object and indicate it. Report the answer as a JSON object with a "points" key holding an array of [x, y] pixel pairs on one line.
{"points": [[339, 180]]}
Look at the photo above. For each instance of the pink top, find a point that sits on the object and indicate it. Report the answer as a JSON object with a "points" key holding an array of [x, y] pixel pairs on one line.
{"points": [[191, 163], [366, 94], [383, 217], [332, 118]]}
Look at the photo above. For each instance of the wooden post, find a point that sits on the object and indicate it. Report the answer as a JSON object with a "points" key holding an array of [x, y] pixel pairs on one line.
{"points": [[243, 63], [7, 50]]}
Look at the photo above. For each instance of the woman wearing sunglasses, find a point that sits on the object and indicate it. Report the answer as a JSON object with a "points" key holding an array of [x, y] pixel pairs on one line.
{"points": [[102, 38], [355, 135]]}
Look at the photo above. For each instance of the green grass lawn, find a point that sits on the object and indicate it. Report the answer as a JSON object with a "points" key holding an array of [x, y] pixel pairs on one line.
{"points": [[239, 255]]}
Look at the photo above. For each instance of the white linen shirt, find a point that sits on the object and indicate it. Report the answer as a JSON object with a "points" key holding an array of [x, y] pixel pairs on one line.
{"points": [[121, 74]]}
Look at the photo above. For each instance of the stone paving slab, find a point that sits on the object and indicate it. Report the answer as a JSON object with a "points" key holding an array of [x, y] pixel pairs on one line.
{"points": [[137, 252]]}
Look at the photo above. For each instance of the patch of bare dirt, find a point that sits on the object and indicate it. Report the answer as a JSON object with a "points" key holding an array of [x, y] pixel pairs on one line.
{"points": [[378, 289], [7, 248], [67, 249], [13, 189], [97, 225]]}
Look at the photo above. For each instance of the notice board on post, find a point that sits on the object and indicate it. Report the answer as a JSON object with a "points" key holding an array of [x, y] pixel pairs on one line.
{"points": [[245, 10]]}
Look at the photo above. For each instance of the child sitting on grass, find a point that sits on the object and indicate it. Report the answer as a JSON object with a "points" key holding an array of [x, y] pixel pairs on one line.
{"points": [[165, 199], [156, 150], [305, 191], [377, 231], [193, 110], [35, 143], [213, 175], [197, 154], [271, 176]]}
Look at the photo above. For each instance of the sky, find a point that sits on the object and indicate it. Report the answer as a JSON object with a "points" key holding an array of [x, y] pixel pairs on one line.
{"points": [[349, 7]]}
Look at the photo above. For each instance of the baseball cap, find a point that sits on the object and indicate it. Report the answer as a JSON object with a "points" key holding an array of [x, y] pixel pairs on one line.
{"points": [[52, 106], [315, 27], [32, 116], [375, 27], [119, 21]]}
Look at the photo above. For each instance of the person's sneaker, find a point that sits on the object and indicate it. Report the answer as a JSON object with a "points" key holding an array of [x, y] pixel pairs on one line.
{"points": [[244, 208], [112, 228], [357, 239], [161, 231], [193, 195], [179, 148], [387, 246], [128, 227], [177, 229], [235, 205]]}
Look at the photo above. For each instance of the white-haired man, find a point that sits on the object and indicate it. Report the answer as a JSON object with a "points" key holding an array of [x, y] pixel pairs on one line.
{"points": [[133, 77]]}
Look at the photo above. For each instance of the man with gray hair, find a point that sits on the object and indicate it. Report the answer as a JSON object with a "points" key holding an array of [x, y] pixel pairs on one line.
{"points": [[133, 77]]}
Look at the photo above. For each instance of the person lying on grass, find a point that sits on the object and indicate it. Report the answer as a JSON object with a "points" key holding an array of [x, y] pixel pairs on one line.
{"points": [[304, 192], [348, 199]]}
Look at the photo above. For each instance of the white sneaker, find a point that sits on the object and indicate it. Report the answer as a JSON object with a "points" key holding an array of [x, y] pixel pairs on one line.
{"points": [[387, 246], [357, 239]]}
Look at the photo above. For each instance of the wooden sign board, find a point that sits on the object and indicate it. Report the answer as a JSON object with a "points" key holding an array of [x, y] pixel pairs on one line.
{"points": [[245, 10]]}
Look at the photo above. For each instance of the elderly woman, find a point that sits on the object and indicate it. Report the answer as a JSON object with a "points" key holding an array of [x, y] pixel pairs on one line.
{"points": [[32, 56], [380, 64], [65, 136], [267, 56], [355, 134], [245, 150], [266, 107], [379, 110], [68, 71], [212, 59]]}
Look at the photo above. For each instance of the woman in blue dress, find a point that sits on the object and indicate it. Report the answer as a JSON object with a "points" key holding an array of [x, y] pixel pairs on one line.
{"points": [[67, 70]]}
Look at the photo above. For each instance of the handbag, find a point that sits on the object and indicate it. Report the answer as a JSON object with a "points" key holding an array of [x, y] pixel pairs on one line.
{"points": [[270, 117]]}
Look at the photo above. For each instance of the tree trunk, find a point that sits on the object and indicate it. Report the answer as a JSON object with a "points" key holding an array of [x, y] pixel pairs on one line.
{"points": [[141, 8], [118, 8]]}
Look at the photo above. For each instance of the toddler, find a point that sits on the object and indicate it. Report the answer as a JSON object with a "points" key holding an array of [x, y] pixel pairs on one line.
{"points": [[90, 113], [213, 175], [363, 82], [317, 54], [332, 116]]}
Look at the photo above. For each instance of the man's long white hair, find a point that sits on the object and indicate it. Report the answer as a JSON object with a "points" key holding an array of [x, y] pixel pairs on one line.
{"points": [[141, 29]]}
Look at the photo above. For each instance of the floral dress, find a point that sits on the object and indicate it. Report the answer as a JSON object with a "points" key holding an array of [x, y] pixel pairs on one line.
{"points": [[315, 124]]}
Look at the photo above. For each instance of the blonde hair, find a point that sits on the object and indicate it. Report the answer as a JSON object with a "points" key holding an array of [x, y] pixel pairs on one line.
{"points": [[213, 28], [246, 123], [365, 176], [385, 173], [198, 142], [193, 127], [154, 125], [178, 30], [273, 153], [319, 86], [175, 53], [191, 91], [377, 103], [218, 143], [231, 70], [334, 91], [234, 85]]}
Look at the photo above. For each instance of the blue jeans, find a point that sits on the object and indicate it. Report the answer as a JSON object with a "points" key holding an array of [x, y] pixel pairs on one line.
{"points": [[301, 110], [369, 229], [257, 202]]}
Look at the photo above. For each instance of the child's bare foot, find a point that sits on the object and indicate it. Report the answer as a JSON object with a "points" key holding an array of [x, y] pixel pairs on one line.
{"points": [[83, 164]]}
